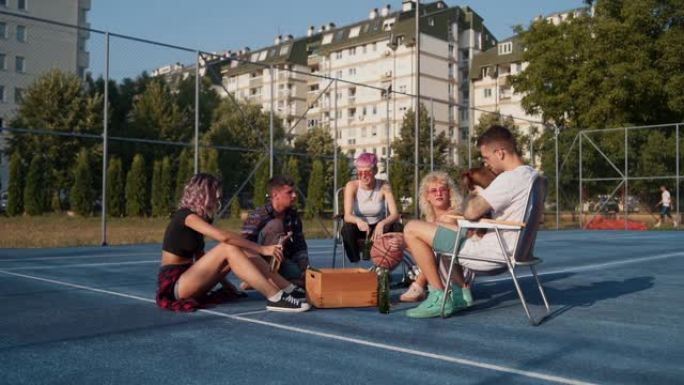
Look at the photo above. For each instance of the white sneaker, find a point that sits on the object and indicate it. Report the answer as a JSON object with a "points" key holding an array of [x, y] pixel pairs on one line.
{"points": [[657, 224], [414, 293]]}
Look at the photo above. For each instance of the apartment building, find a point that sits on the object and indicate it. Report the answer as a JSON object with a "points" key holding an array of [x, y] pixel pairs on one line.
{"points": [[379, 52], [491, 69], [28, 48]]}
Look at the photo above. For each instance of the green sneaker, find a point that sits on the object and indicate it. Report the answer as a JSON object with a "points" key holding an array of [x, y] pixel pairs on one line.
{"points": [[432, 306], [461, 298]]}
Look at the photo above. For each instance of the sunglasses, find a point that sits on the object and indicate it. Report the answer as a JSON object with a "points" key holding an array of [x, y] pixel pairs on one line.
{"points": [[442, 190], [365, 173]]}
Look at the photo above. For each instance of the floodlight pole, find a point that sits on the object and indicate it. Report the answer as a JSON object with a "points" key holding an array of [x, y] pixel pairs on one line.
{"points": [[677, 169], [432, 134], [416, 136], [626, 191], [580, 179], [389, 140], [105, 126], [335, 152], [197, 105]]}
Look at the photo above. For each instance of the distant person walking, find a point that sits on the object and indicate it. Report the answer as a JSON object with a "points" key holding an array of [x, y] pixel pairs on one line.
{"points": [[666, 207]]}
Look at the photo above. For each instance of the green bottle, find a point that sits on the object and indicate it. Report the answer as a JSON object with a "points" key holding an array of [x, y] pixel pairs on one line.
{"points": [[383, 291], [367, 246]]}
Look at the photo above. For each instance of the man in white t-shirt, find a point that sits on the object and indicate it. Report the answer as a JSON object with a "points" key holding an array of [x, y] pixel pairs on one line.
{"points": [[505, 198], [666, 207]]}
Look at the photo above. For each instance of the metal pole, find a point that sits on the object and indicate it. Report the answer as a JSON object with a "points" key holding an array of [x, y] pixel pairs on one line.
{"points": [[580, 180], [557, 132], [417, 115], [677, 169], [626, 191], [335, 135], [389, 139], [270, 122], [105, 126], [432, 135], [197, 106]]}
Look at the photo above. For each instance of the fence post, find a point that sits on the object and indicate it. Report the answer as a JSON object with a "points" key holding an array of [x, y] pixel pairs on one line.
{"points": [[335, 153], [556, 132], [580, 180], [417, 114], [625, 195], [197, 107], [270, 122], [432, 135], [105, 126], [677, 168]]}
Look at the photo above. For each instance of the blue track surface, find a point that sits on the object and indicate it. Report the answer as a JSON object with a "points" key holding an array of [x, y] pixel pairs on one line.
{"points": [[86, 316]]}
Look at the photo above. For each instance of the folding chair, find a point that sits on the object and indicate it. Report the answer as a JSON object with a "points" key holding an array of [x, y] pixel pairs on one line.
{"points": [[522, 253]]}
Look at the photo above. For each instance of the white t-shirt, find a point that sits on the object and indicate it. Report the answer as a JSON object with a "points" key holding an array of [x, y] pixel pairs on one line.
{"points": [[507, 195], [665, 198]]}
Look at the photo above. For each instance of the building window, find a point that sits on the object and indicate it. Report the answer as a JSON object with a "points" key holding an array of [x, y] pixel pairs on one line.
{"points": [[21, 5], [505, 48], [20, 65], [3, 59], [338, 55], [352, 51], [3, 3], [18, 95], [354, 32], [487, 92], [21, 33], [3, 31], [2, 94], [375, 110], [352, 71]]}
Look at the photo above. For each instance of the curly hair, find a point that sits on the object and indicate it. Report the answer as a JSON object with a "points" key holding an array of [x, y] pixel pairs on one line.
{"points": [[366, 159], [202, 194], [455, 198]]}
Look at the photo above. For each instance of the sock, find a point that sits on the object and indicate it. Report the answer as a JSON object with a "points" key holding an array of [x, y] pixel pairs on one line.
{"points": [[289, 288], [276, 297]]}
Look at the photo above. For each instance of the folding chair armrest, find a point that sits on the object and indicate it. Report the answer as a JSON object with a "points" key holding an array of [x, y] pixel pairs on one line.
{"points": [[490, 224]]}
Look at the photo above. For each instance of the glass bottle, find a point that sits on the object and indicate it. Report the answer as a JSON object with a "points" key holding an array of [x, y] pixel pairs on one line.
{"points": [[367, 246], [383, 291]]}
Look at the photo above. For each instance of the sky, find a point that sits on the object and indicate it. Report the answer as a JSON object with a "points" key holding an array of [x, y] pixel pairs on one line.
{"points": [[219, 25]]}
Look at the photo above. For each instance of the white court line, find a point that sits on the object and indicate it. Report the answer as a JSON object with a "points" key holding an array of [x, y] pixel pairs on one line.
{"points": [[82, 265], [596, 266], [357, 341], [132, 254]]}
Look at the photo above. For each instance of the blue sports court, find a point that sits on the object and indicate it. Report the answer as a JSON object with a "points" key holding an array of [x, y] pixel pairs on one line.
{"points": [[87, 315]]}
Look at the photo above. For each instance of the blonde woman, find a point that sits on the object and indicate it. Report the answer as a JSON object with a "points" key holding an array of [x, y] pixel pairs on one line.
{"points": [[438, 197]]}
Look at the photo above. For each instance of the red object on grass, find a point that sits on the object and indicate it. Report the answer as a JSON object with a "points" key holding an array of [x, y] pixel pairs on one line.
{"points": [[600, 222]]}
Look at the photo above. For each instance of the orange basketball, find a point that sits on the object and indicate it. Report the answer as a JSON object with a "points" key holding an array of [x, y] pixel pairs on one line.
{"points": [[387, 250]]}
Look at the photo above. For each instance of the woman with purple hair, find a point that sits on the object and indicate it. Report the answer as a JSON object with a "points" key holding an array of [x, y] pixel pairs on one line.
{"points": [[369, 207], [187, 273]]}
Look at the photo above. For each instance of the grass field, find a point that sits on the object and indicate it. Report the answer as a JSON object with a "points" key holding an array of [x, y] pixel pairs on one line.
{"points": [[62, 230]]}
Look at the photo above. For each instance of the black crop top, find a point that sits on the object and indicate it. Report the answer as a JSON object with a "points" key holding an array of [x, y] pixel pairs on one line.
{"points": [[180, 239]]}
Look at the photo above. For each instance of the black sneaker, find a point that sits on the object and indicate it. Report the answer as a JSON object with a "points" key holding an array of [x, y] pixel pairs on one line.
{"points": [[299, 293], [288, 304]]}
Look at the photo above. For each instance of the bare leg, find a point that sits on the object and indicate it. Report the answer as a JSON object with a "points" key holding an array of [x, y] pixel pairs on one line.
{"points": [[275, 278], [418, 236], [208, 270]]}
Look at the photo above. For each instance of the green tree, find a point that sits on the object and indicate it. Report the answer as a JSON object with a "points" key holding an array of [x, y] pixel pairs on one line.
{"points": [[209, 162], [185, 170], [167, 191], [157, 193], [243, 127], [235, 209], [58, 102], [36, 191], [291, 169], [136, 188], [314, 200], [260, 184], [403, 149], [115, 188], [82, 195], [208, 100], [15, 189]]}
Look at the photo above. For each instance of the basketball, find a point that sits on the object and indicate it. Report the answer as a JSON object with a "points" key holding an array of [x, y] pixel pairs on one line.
{"points": [[387, 250]]}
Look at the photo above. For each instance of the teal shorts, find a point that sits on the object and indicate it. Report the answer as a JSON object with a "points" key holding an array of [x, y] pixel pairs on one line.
{"points": [[444, 240]]}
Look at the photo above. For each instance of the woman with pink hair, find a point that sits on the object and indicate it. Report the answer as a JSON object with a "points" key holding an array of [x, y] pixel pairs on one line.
{"points": [[369, 207], [187, 273]]}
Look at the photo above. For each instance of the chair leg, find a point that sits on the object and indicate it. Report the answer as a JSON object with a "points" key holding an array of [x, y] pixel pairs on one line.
{"points": [[447, 285], [541, 289], [522, 297]]}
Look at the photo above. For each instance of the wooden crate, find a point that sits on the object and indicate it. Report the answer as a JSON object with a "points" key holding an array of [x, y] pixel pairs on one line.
{"points": [[330, 288]]}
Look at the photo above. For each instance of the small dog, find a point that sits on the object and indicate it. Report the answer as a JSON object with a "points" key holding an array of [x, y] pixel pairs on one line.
{"points": [[476, 176]]}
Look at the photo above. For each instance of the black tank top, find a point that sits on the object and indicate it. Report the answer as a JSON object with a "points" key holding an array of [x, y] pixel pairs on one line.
{"points": [[180, 239]]}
